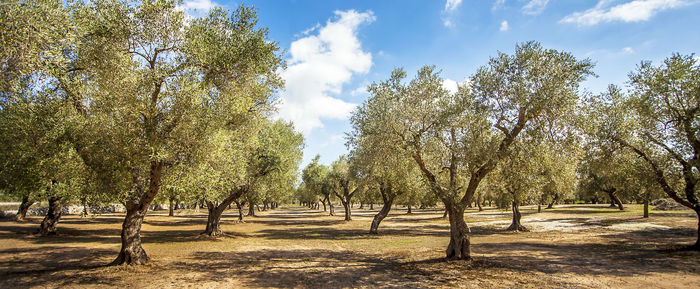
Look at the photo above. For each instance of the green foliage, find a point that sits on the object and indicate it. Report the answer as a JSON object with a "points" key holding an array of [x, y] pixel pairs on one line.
{"points": [[658, 122]]}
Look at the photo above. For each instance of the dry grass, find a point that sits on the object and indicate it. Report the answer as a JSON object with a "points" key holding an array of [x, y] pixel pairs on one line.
{"points": [[579, 246]]}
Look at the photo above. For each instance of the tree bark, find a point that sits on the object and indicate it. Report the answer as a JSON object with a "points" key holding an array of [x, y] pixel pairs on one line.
{"points": [[86, 211], [539, 208], [170, 208], [215, 211], [371, 206], [646, 208], [48, 225], [251, 209], [383, 212], [554, 200], [347, 206], [240, 211], [23, 208], [331, 209], [459, 247], [131, 252], [213, 220], [324, 204], [444, 215], [515, 224], [614, 199]]}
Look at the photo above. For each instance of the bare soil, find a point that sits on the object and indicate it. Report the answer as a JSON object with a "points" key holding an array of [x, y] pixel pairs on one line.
{"points": [[571, 246]]}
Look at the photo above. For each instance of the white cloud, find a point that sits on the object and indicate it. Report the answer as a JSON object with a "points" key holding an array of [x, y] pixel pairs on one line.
{"points": [[449, 12], [627, 50], [535, 7], [452, 5], [309, 30], [196, 8], [452, 85], [319, 66], [360, 90], [199, 4], [504, 26], [449, 85], [498, 4], [633, 11]]}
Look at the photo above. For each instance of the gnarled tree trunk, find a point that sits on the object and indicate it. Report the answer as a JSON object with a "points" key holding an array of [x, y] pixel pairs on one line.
{"points": [[213, 220], [131, 252], [239, 206], [348, 213], [23, 208], [171, 209], [388, 198], [614, 199], [215, 211], [48, 225], [515, 224], [554, 200], [383, 212], [86, 211], [409, 211], [459, 247], [251, 209]]}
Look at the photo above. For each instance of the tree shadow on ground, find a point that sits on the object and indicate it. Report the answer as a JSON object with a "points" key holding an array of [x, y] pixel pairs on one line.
{"points": [[36, 267], [297, 268], [316, 268], [329, 233], [70, 235], [300, 222], [625, 254]]}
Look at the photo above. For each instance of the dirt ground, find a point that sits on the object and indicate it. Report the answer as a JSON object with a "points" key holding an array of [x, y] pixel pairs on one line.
{"points": [[582, 246]]}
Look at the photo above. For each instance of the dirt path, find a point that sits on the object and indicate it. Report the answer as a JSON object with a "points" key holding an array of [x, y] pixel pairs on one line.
{"points": [[571, 247]]}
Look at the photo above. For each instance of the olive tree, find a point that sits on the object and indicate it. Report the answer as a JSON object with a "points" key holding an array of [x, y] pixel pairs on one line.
{"points": [[458, 139], [315, 182], [347, 180], [373, 147], [157, 86], [658, 121]]}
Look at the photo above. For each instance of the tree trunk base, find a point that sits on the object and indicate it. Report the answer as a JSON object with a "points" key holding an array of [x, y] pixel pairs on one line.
{"points": [[213, 233], [133, 256], [459, 249], [48, 225], [517, 228]]}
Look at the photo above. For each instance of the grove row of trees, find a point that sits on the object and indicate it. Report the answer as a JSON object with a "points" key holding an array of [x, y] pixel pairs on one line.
{"points": [[108, 101], [520, 131], [112, 101]]}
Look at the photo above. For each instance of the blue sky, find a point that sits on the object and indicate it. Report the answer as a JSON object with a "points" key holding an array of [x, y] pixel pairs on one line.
{"points": [[334, 49]]}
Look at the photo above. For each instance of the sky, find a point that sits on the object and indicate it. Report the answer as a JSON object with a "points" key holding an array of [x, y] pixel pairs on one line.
{"points": [[335, 48]]}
